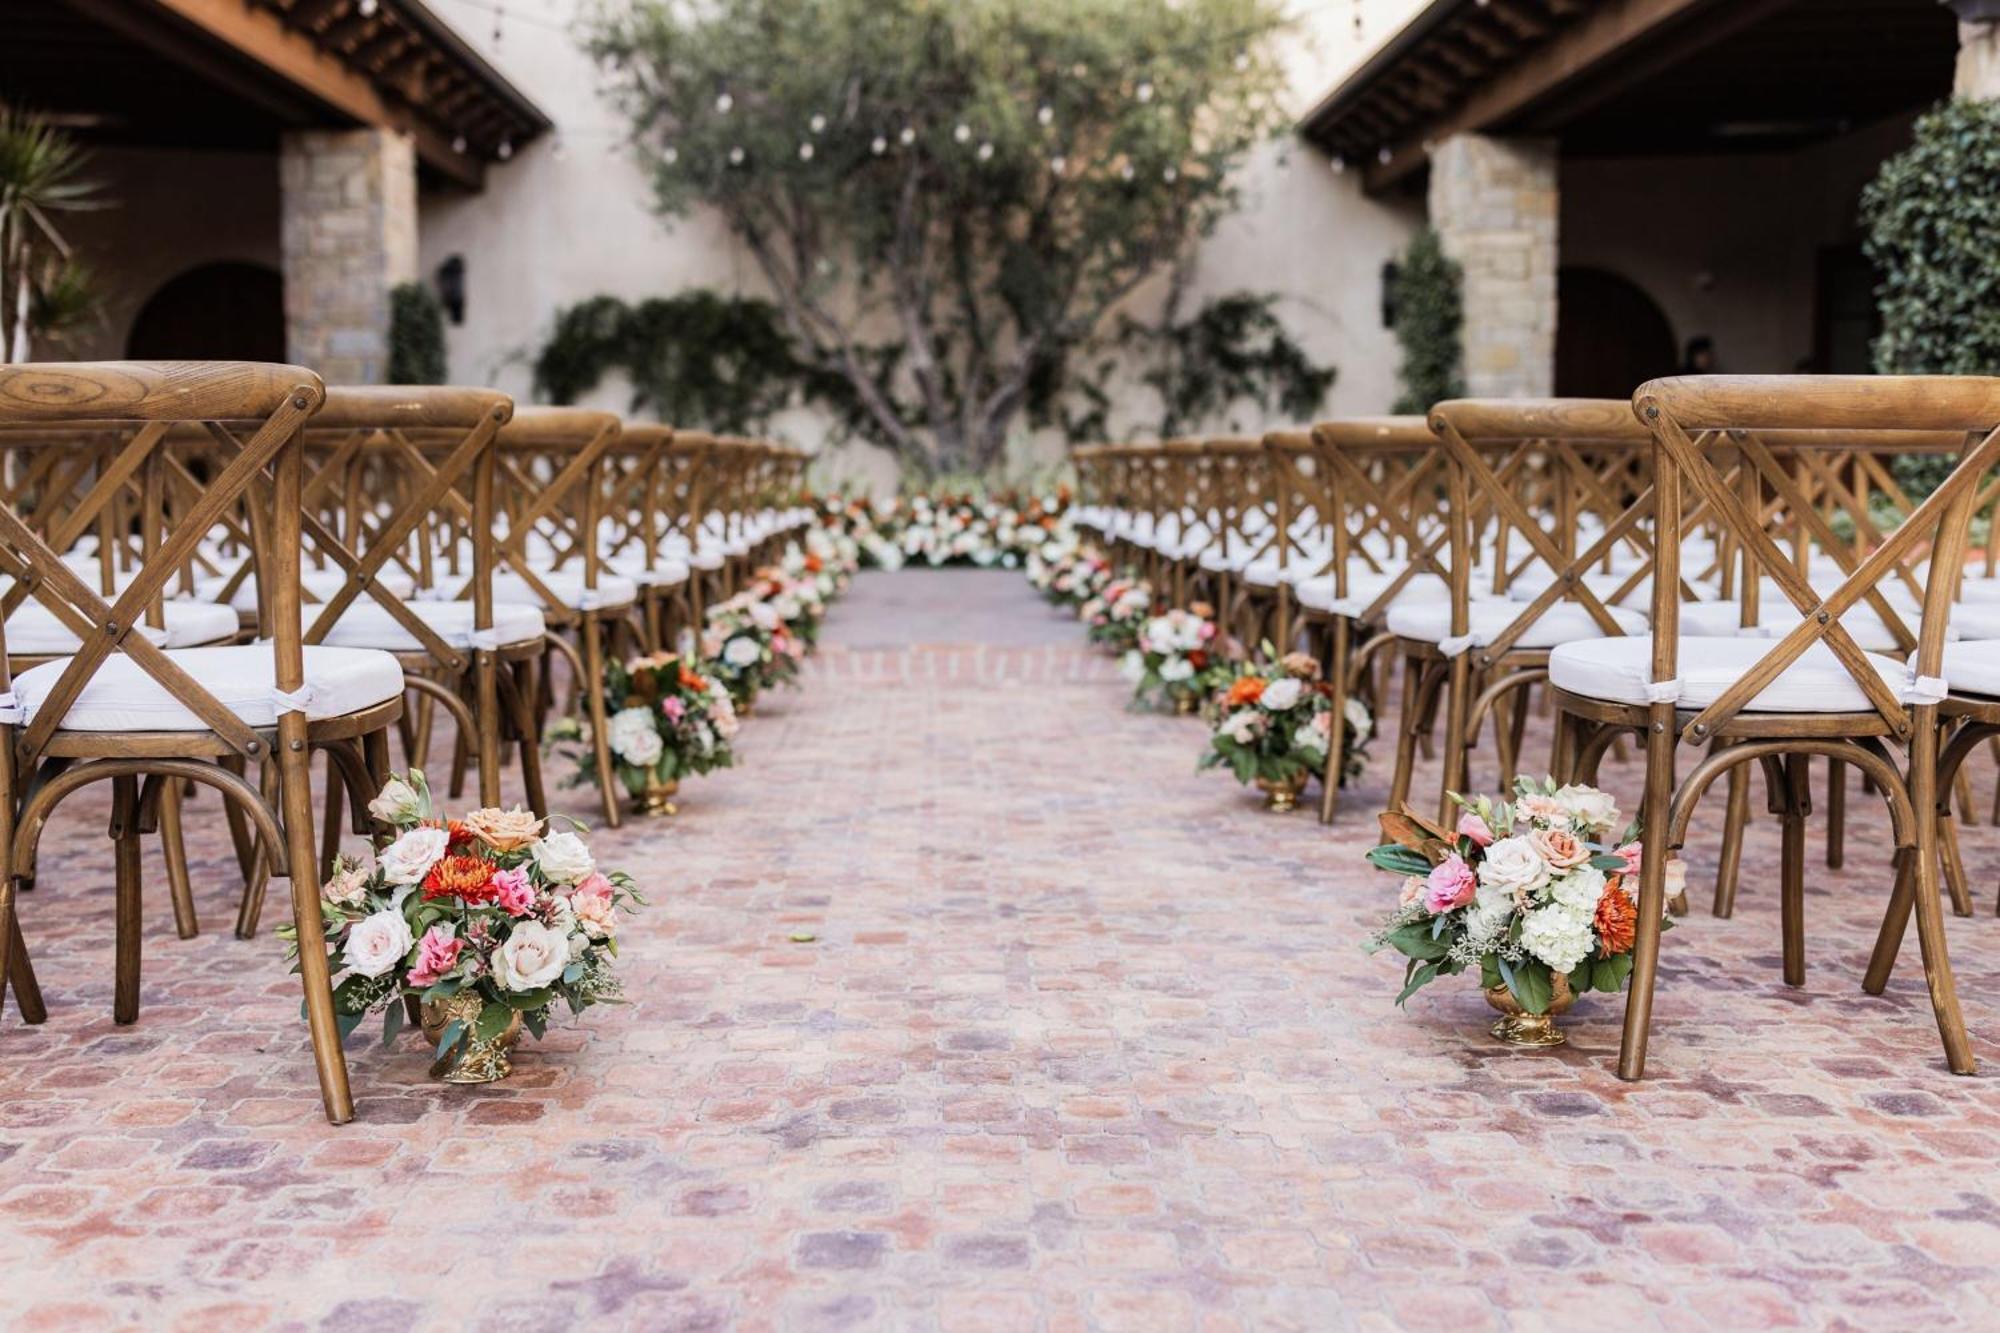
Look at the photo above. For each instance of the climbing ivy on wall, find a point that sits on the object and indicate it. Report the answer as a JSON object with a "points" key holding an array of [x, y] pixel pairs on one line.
{"points": [[416, 336], [1233, 350], [1931, 223], [1429, 320]]}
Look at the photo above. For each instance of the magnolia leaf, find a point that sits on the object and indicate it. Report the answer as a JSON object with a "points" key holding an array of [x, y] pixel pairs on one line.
{"points": [[492, 1021], [1531, 985], [1399, 860], [1409, 829], [449, 1037], [392, 1022]]}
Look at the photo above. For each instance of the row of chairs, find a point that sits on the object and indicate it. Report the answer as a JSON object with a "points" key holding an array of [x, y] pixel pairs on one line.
{"points": [[212, 572], [1723, 562]]}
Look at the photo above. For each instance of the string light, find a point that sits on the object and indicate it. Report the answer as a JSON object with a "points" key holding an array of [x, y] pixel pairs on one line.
{"points": [[670, 155], [818, 122], [505, 150], [367, 8], [805, 152], [878, 145], [908, 136], [962, 132], [458, 144], [1144, 92], [736, 157], [1058, 164], [1046, 114], [1170, 175], [723, 101], [986, 152]]}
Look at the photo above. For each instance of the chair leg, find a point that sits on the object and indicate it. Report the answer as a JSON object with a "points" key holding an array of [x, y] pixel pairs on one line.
{"points": [[127, 927], [329, 835], [315, 976], [1836, 814], [1458, 701], [173, 847], [1654, 806], [1729, 863], [1329, 797], [1792, 870], [517, 688], [239, 825], [17, 969], [1895, 920], [592, 687], [1407, 728], [486, 704], [251, 909], [1924, 799]]}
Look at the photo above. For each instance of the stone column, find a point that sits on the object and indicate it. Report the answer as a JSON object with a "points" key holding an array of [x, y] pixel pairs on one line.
{"points": [[348, 233], [1493, 203], [1977, 73]]}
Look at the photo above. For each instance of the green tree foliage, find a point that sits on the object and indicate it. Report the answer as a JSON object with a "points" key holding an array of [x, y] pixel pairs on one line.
{"points": [[1931, 221], [1430, 318], [44, 289], [1234, 349], [947, 199], [416, 336], [699, 359]]}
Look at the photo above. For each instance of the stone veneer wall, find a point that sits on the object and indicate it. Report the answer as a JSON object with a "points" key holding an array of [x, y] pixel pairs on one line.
{"points": [[1493, 202], [348, 233]]}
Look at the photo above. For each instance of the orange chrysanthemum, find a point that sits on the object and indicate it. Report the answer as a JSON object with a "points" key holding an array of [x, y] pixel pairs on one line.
{"points": [[1617, 921], [1246, 690], [814, 564], [458, 876], [691, 681]]}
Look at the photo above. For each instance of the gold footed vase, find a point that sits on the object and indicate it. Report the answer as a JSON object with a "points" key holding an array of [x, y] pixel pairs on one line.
{"points": [[657, 798], [1281, 795], [1185, 704], [1517, 1027], [483, 1061]]}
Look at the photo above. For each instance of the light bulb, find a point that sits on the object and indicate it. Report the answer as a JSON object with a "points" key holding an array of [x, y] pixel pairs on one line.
{"points": [[458, 143], [818, 122], [1126, 172], [1144, 92], [805, 152], [962, 133], [367, 8], [723, 101], [1383, 155], [986, 152], [736, 157], [908, 136], [670, 155], [1170, 175], [1058, 164], [878, 145], [506, 149], [1046, 114], [1242, 61]]}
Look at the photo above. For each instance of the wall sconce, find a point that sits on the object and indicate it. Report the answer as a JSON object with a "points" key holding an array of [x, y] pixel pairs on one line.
{"points": [[451, 287], [1392, 275]]}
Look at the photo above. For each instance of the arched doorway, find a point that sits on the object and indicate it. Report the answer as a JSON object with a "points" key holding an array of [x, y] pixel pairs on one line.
{"points": [[217, 312], [1610, 336]]}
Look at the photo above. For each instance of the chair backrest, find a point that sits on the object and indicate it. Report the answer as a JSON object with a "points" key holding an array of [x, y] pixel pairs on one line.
{"points": [[1690, 417], [548, 462], [1380, 482], [422, 457], [254, 413]]}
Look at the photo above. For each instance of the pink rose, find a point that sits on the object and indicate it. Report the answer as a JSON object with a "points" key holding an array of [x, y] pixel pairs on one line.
{"points": [[1634, 854], [674, 709], [1451, 884], [513, 892], [1472, 826], [593, 906], [437, 954]]}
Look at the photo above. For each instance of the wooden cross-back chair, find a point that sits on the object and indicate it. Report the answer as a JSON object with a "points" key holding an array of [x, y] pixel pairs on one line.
{"points": [[429, 456], [1376, 482], [640, 535], [548, 494], [692, 478], [1236, 496], [123, 710], [1808, 690]]}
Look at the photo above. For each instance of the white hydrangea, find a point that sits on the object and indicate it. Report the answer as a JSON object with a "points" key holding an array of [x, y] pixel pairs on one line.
{"points": [[1281, 694], [1579, 890], [1176, 669], [1557, 935], [1360, 723], [1132, 666], [1310, 739]]}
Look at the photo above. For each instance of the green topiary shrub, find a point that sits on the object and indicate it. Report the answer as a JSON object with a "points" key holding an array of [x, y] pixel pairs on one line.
{"points": [[1931, 219], [1430, 316], [416, 336]]}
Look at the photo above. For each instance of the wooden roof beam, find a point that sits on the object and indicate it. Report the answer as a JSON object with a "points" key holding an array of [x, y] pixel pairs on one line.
{"points": [[1556, 65]]}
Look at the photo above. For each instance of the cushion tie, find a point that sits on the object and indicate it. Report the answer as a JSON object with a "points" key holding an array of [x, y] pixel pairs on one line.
{"points": [[12, 714], [1922, 690], [486, 640], [1453, 645], [1663, 691], [293, 701]]}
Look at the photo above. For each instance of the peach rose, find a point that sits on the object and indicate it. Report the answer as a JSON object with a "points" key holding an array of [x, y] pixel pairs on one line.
{"points": [[504, 830], [1563, 851]]}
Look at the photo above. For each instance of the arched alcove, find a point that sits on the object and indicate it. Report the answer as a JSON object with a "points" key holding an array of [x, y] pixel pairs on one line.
{"points": [[226, 311]]}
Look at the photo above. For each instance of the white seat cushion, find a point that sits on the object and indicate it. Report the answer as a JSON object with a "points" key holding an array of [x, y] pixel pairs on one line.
{"points": [[35, 631], [613, 590], [665, 573], [122, 697], [1621, 670], [1973, 667], [1364, 586], [708, 559], [1429, 621], [318, 585], [368, 624]]}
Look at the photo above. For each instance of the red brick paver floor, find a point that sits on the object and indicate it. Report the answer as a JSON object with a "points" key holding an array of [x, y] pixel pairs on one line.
{"points": [[1079, 1040]]}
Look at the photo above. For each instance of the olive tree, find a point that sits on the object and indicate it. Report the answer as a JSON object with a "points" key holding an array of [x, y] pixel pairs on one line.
{"points": [[948, 198]]}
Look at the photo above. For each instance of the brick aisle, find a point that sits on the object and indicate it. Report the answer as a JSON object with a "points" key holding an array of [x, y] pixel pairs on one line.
{"points": [[1081, 1041]]}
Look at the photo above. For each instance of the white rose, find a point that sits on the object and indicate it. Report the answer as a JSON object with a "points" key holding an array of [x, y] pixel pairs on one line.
{"points": [[1486, 920], [1132, 666], [742, 651], [377, 943], [533, 956], [1310, 739], [1360, 724], [1589, 809], [1243, 727], [348, 886], [634, 738], [398, 803], [1513, 866], [409, 858], [1176, 669], [763, 615], [563, 858], [1281, 694]]}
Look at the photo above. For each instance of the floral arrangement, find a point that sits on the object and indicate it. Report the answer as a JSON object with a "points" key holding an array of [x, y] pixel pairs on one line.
{"points": [[1529, 892], [797, 601], [1115, 616], [746, 645], [1273, 723], [948, 528], [491, 917], [668, 721], [1177, 659]]}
